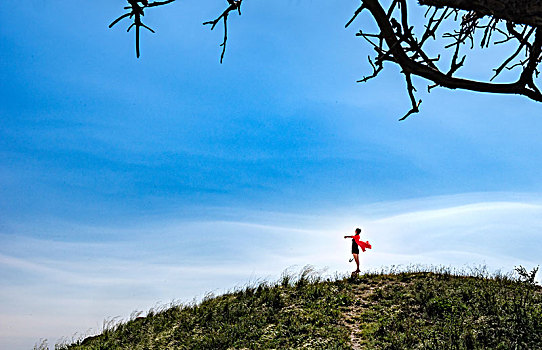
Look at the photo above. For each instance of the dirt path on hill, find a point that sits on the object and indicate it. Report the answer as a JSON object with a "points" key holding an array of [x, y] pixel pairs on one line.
{"points": [[351, 314], [361, 295]]}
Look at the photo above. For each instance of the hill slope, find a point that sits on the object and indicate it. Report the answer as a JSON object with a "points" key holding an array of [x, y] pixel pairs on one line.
{"points": [[407, 310]]}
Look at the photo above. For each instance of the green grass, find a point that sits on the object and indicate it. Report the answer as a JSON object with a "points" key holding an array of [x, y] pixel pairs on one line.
{"points": [[416, 309], [428, 310]]}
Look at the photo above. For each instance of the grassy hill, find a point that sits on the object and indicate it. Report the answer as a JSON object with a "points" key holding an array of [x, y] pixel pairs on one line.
{"points": [[398, 310]]}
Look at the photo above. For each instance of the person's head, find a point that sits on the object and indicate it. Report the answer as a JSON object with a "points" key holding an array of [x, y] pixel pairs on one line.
{"points": [[358, 231]]}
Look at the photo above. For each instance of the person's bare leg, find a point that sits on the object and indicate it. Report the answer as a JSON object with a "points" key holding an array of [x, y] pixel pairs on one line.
{"points": [[356, 257]]}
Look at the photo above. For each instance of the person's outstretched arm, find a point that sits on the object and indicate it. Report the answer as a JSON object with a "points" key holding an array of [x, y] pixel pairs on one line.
{"points": [[348, 236]]}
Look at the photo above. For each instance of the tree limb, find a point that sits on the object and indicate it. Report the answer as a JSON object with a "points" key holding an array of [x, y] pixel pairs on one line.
{"points": [[518, 11], [234, 5], [137, 8], [406, 51]]}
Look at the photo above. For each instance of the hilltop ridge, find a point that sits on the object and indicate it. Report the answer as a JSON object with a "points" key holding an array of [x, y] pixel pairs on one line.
{"points": [[435, 309]]}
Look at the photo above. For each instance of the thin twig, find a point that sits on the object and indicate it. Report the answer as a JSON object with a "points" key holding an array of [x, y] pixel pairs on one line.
{"points": [[233, 5]]}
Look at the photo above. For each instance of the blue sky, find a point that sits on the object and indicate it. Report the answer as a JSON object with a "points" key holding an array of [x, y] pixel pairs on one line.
{"points": [[128, 182]]}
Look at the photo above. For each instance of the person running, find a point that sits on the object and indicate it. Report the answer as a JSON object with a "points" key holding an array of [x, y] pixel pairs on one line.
{"points": [[356, 244]]}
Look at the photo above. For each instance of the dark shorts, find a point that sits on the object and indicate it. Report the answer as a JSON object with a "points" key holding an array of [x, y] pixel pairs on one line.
{"points": [[355, 247]]}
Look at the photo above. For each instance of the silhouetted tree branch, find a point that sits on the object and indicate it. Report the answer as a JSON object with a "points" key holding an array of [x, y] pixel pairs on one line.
{"points": [[397, 42], [234, 5], [137, 11], [518, 23], [518, 11]]}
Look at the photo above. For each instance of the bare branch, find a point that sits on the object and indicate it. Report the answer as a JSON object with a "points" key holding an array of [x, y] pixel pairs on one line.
{"points": [[513, 56], [358, 11], [137, 8], [411, 90], [405, 50], [160, 3], [234, 5], [376, 70], [118, 19]]}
